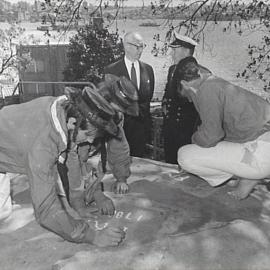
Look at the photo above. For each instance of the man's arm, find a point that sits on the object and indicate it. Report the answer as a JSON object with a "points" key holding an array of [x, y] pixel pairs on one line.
{"points": [[152, 81], [167, 93], [167, 96], [49, 211], [119, 160], [117, 68], [76, 161]]}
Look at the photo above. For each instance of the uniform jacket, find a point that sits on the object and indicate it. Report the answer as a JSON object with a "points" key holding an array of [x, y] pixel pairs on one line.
{"points": [[173, 105], [179, 119], [228, 112]]}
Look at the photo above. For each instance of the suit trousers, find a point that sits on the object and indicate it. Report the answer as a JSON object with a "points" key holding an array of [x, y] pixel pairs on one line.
{"points": [[177, 134], [218, 164], [136, 134]]}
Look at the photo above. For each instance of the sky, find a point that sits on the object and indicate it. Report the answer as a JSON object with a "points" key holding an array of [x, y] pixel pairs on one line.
{"points": [[127, 2], [130, 2]]}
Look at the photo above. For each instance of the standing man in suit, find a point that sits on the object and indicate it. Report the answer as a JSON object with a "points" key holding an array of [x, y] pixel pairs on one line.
{"points": [[137, 128]]}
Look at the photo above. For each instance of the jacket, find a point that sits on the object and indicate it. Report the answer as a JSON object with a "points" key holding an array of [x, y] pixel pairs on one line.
{"points": [[147, 83], [228, 112], [33, 135]]}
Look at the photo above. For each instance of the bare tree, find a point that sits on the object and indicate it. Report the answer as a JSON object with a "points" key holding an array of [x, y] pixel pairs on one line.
{"points": [[192, 18], [9, 39], [241, 16]]}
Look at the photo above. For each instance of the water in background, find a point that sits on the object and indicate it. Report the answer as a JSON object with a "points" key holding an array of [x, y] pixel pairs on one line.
{"points": [[225, 54]]}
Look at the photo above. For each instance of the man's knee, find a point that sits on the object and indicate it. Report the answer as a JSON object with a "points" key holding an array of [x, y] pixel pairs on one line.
{"points": [[185, 157]]}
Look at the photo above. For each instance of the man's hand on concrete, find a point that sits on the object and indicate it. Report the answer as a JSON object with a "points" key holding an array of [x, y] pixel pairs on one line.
{"points": [[120, 188], [104, 204]]}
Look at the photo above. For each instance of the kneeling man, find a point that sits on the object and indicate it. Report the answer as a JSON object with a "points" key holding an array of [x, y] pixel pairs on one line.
{"points": [[233, 139]]}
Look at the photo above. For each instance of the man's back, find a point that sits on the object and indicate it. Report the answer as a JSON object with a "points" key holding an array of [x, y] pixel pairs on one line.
{"points": [[23, 125], [229, 112]]}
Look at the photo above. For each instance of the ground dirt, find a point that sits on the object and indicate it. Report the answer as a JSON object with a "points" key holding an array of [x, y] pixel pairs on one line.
{"points": [[172, 221]]}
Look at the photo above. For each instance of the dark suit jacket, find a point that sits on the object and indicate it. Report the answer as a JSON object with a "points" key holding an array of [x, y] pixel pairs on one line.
{"points": [[137, 128], [147, 83]]}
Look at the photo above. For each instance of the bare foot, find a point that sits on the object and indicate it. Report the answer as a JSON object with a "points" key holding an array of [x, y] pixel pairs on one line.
{"points": [[233, 182], [244, 189]]}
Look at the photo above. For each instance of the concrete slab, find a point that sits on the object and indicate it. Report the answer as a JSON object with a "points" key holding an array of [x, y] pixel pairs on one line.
{"points": [[173, 221]]}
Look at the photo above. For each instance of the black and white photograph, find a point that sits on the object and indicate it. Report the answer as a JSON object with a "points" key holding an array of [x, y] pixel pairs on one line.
{"points": [[134, 134]]}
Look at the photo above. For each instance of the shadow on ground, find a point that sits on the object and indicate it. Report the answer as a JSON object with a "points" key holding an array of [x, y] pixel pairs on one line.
{"points": [[172, 222]]}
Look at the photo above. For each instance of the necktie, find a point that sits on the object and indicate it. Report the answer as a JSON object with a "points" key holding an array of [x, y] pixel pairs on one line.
{"points": [[133, 75]]}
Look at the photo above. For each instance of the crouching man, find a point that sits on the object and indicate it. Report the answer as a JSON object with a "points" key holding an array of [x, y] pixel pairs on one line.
{"points": [[122, 95], [34, 135], [234, 136]]}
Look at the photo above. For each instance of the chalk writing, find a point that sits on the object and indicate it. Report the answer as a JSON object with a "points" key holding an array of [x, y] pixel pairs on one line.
{"points": [[118, 215], [128, 216], [102, 227]]}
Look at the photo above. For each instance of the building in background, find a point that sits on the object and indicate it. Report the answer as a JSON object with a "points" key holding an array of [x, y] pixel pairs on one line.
{"points": [[45, 68]]}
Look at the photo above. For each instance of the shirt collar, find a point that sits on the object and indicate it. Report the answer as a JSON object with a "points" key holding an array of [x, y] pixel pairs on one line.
{"points": [[56, 117], [129, 63]]}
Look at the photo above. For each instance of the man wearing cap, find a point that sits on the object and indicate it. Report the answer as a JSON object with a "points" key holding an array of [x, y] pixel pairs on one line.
{"points": [[122, 95], [179, 115], [34, 135], [137, 128]]}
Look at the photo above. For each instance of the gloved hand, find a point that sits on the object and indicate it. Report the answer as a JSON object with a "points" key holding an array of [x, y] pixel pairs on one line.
{"points": [[104, 204], [109, 237], [120, 187]]}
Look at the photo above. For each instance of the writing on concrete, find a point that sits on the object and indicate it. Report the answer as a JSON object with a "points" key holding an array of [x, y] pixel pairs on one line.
{"points": [[119, 215]]}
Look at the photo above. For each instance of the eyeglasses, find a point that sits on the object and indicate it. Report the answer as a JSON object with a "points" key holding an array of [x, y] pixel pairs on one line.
{"points": [[138, 47], [176, 46]]}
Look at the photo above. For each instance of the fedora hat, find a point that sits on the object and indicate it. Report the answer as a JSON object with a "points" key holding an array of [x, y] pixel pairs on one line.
{"points": [[94, 108], [121, 91]]}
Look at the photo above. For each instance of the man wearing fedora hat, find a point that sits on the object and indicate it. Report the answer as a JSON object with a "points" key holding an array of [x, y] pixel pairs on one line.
{"points": [[179, 116], [47, 126], [123, 97], [121, 94]]}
